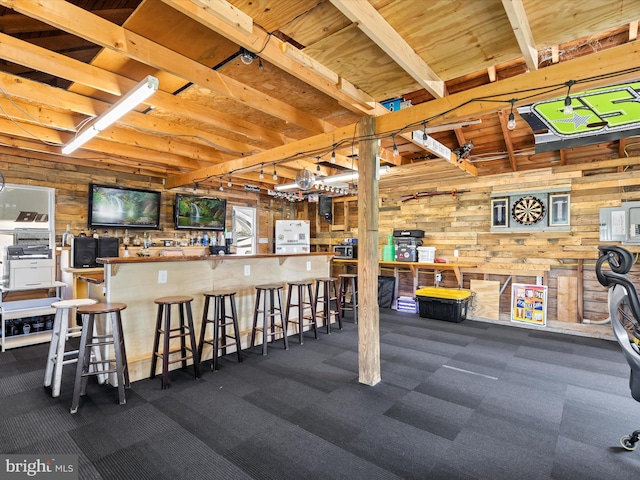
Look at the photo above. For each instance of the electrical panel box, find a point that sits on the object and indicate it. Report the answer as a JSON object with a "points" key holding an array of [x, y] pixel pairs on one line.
{"points": [[621, 224], [633, 216]]}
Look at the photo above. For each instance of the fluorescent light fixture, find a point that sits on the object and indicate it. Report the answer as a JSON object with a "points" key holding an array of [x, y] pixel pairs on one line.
{"points": [[132, 99], [339, 178]]}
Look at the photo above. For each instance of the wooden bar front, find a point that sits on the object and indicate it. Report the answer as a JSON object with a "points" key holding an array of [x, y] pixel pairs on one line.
{"points": [[135, 281]]}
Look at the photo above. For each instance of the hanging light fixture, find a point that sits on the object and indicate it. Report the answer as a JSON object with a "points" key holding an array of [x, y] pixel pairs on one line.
{"points": [[275, 174], [261, 172], [395, 147], [333, 155], [568, 107], [229, 182], [425, 137], [511, 123]]}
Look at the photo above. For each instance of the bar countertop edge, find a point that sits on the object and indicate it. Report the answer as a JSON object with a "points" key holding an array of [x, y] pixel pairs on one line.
{"points": [[176, 258]]}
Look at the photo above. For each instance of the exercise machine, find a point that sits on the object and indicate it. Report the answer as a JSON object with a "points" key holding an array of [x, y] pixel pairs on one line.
{"points": [[624, 312]]}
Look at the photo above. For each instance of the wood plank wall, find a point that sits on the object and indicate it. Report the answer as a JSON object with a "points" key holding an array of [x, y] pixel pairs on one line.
{"points": [[463, 223], [71, 190]]}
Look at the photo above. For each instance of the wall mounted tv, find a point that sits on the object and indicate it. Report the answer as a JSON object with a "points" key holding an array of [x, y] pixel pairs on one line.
{"points": [[123, 207], [194, 212]]}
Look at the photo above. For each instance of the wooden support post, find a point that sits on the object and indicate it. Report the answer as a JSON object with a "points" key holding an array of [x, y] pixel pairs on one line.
{"points": [[369, 314]]}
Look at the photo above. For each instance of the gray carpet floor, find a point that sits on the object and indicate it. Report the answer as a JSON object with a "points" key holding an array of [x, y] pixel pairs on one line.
{"points": [[468, 400]]}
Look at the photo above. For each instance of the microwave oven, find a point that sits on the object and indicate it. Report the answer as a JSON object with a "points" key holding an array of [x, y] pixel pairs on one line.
{"points": [[345, 251]]}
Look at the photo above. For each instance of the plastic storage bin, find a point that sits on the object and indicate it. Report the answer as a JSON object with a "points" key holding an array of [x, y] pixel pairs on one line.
{"points": [[450, 304]]}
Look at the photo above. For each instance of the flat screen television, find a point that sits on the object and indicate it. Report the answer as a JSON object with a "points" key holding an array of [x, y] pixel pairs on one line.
{"points": [[194, 212], [123, 207]]}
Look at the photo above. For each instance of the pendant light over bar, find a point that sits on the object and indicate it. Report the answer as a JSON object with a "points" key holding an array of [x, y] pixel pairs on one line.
{"points": [[132, 99]]}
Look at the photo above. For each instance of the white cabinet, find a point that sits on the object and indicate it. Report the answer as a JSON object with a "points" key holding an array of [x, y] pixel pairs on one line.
{"points": [[27, 321]]}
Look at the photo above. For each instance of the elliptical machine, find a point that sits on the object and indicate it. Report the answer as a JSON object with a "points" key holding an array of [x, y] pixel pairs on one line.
{"points": [[626, 326]]}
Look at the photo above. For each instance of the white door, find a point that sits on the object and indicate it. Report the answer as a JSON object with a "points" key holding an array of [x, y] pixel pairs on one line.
{"points": [[244, 230]]}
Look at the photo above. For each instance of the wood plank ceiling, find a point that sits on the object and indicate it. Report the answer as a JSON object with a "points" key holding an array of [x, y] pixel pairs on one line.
{"points": [[316, 68]]}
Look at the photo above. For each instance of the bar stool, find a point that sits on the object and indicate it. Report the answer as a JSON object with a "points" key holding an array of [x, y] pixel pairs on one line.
{"points": [[349, 289], [220, 322], [183, 331], [324, 297], [61, 333], [89, 340], [270, 308], [305, 302]]}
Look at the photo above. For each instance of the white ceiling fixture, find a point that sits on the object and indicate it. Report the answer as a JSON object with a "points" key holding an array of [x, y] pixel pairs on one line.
{"points": [[132, 99], [338, 179]]}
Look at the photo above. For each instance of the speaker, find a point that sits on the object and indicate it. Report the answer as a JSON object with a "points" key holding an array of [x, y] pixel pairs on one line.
{"points": [[108, 247], [84, 252], [324, 208]]}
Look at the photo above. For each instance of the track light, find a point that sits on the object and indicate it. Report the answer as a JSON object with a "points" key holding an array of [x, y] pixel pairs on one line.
{"points": [[132, 99], [511, 123], [568, 107]]}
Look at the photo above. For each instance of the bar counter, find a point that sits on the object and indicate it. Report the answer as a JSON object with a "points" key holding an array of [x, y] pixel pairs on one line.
{"points": [[137, 281]]}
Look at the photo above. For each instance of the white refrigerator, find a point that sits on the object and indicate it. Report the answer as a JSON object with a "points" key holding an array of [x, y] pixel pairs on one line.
{"points": [[292, 236]]}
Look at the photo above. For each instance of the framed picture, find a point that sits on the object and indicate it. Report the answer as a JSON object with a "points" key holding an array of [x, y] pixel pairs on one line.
{"points": [[559, 206], [500, 212]]}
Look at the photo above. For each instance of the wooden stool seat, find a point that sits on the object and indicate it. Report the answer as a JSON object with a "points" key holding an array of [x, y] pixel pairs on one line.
{"points": [[269, 305], [220, 321], [173, 300], [184, 330], [349, 294], [304, 292], [327, 297], [89, 340]]}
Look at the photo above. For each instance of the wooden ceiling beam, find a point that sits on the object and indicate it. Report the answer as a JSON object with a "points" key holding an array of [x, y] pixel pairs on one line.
{"points": [[633, 31], [366, 18], [520, 25], [160, 134], [41, 59], [282, 55], [594, 71], [15, 24], [75, 20]]}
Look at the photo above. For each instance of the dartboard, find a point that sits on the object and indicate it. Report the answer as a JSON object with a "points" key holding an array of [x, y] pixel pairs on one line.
{"points": [[528, 210]]}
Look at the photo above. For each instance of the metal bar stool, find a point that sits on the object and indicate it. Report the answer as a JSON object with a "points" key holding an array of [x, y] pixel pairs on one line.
{"points": [[326, 298], [270, 308], [58, 354], [220, 322], [305, 302], [349, 290], [182, 331], [88, 340]]}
